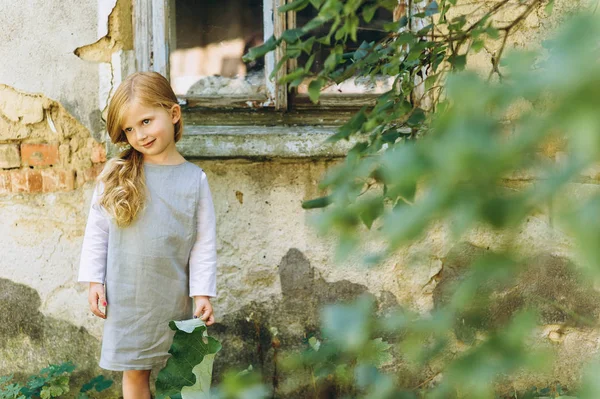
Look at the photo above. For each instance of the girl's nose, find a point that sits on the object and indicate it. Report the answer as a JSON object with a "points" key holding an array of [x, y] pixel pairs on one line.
{"points": [[139, 134]]}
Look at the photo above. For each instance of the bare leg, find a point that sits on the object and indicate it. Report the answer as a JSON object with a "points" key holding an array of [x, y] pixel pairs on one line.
{"points": [[136, 384]]}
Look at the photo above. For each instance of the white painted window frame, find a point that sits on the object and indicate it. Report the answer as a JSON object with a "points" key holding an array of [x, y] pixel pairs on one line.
{"points": [[155, 35]]}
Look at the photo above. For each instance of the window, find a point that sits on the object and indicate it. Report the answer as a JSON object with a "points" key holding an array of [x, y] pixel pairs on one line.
{"points": [[199, 45], [352, 91], [210, 38]]}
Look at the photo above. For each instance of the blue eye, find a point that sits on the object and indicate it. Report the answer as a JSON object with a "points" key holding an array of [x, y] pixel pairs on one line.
{"points": [[146, 121], [127, 129]]}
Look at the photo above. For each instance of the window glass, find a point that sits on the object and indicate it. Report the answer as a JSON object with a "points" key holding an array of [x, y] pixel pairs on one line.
{"points": [[371, 32], [211, 36]]}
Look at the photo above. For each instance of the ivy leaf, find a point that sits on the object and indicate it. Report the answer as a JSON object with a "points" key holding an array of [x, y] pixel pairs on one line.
{"points": [[492, 32], [416, 118], [432, 9], [317, 3], [396, 26], [298, 73], [99, 383], [477, 45], [295, 5], [259, 51], [326, 40], [350, 127], [190, 365], [292, 35], [371, 212], [430, 81], [314, 90], [458, 61], [369, 12], [405, 38], [320, 202], [348, 325], [377, 353], [281, 62], [389, 4], [314, 23]]}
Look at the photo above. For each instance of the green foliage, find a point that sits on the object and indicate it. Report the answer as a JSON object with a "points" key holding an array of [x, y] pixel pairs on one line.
{"points": [[51, 382], [245, 384], [349, 352], [188, 371], [436, 150], [10, 391], [98, 384], [556, 391]]}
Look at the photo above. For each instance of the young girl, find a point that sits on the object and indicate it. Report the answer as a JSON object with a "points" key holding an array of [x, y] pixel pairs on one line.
{"points": [[150, 238]]}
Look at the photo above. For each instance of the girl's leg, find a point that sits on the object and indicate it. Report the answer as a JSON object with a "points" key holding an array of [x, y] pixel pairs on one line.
{"points": [[136, 384]]}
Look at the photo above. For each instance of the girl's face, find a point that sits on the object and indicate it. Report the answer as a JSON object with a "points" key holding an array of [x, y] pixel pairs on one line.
{"points": [[151, 130]]}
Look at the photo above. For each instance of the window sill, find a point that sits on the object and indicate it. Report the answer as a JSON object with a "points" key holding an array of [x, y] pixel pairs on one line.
{"points": [[260, 142]]}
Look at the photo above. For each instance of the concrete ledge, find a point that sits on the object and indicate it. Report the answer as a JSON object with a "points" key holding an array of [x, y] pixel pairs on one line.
{"points": [[262, 142]]}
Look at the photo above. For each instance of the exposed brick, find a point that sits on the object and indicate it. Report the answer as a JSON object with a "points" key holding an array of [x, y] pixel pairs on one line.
{"points": [[89, 174], [49, 180], [26, 181], [93, 172], [57, 180], [5, 183], [9, 156], [98, 153], [39, 154], [18, 179], [34, 180]]}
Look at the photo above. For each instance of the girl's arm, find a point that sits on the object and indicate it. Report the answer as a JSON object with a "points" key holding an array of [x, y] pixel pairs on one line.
{"points": [[203, 257], [92, 266]]}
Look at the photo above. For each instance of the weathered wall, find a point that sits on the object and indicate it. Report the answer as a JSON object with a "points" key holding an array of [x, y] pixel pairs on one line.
{"points": [[37, 39], [274, 271]]}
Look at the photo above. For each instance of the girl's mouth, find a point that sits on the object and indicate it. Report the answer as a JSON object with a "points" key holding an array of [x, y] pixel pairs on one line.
{"points": [[149, 144]]}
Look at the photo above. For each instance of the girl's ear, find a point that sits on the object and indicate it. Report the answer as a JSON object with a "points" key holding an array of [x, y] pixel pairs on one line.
{"points": [[175, 113]]}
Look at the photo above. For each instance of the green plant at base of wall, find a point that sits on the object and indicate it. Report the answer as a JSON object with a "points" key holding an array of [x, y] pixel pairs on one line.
{"points": [[51, 382]]}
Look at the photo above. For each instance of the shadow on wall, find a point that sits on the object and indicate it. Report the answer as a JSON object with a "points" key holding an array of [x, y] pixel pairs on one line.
{"points": [[553, 286], [29, 341], [248, 337]]}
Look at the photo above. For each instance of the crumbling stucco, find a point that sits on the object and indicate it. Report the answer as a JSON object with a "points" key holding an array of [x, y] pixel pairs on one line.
{"points": [[36, 42], [34, 118], [119, 35]]}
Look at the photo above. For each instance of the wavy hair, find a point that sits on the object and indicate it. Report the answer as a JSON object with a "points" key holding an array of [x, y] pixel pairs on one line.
{"points": [[123, 177]]}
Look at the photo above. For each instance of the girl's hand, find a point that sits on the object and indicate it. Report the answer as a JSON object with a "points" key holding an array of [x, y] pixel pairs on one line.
{"points": [[96, 298], [204, 310]]}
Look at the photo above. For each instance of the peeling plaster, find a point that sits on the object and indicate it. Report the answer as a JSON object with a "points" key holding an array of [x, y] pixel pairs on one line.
{"points": [[30, 115], [33, 117], [118, 37]]}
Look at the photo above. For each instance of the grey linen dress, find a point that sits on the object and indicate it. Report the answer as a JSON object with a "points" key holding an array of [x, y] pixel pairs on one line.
{"points": [[147, 277]]}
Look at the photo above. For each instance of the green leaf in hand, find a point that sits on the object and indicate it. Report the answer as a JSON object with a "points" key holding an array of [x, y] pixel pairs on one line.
{"points": [[188, 371]]}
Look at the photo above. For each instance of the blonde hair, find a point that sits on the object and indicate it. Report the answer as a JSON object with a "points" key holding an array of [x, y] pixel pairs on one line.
{"points": [[123, 177]]}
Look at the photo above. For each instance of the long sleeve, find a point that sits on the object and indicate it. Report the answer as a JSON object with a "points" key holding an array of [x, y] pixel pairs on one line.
{"points": [[92, 266], [203, 256]]}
